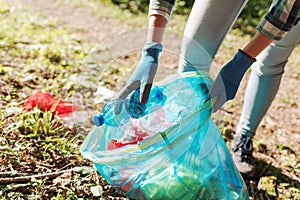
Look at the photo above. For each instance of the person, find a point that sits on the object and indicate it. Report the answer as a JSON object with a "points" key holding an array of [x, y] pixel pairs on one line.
{"points": [[206, 28]]}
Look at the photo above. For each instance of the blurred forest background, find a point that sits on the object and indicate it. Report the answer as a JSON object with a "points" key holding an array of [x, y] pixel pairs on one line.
{"points": [[249, 18]]}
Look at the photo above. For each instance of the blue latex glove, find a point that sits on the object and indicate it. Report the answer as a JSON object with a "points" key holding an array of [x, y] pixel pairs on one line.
{"points": [[228, 80], [140, 81], [144, 73]]}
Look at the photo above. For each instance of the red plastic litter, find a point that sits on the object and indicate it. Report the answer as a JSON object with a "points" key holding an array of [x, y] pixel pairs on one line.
{"points": [[46, 101], [115, 144]]}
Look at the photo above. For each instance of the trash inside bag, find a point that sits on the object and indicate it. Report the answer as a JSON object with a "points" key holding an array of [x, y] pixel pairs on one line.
{"points": [[174, 152]]}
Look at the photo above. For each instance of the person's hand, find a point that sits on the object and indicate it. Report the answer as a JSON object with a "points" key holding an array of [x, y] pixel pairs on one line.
{"points": [[143, 75], [140, 82], [228, 80]]}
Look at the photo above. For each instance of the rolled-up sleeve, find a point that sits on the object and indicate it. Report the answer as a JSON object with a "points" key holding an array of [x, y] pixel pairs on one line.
{"points": [[161, 7], [283, 15]]}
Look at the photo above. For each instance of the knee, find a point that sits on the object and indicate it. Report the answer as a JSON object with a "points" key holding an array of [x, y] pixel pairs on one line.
{"points": [[194, 56], [273, 59], [269, 70]]}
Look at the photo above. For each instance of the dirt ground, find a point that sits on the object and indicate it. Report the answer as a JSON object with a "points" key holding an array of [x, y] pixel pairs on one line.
{"points": [[277, 142]]}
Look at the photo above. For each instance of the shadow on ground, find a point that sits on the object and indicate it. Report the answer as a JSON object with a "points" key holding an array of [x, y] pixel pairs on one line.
{"points": [[267, 182]]}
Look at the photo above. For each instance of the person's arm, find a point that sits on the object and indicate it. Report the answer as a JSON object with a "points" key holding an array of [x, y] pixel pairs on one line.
{"points": [[143, 75], [228, 80], [156, 28], [159, 15], [257, 44], [280, 19], [282, 16]]}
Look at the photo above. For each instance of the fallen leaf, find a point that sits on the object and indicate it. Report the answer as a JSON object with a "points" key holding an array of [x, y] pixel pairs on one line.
{"points": [[64, 179], [97, 190], [84, 170]]}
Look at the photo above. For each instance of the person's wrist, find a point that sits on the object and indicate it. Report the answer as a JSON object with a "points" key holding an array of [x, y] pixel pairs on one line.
{"points": [[153, 45], [247, 55]]}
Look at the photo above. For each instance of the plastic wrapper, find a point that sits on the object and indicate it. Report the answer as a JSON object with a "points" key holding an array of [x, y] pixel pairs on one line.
{"points": [[184, 158]]}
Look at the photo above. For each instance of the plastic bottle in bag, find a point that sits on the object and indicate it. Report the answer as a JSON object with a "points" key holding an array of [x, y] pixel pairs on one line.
{"points": [[109, 116], [129, 108], [141, 128], [170, 94]]}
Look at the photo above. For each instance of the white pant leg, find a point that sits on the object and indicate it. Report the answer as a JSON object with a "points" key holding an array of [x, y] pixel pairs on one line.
{"points": [[265, 80], [207, 26]]}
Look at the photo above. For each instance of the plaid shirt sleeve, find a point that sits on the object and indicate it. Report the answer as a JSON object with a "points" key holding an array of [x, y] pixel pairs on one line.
{"points": [[161, 7], [283, 15]]}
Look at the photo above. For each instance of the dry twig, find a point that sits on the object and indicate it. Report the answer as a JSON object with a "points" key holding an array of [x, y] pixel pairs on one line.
{"points": [[28, 178]]}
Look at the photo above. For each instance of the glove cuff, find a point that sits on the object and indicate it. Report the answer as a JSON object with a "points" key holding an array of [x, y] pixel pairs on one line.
{"points": [[154, 45], [237, 66], [246, 56], [234, 71], [152, 49]]}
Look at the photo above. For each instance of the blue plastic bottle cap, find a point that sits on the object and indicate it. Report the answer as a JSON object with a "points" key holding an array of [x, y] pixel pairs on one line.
{"points": [[98, 119], [159, 97]]}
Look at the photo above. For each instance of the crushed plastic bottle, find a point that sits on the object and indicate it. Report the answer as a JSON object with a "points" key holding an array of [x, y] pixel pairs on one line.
{"points": [[170, 94], [167, 106], [119, 111], [109, 116]]}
